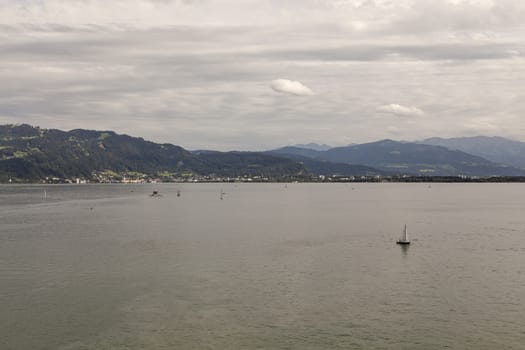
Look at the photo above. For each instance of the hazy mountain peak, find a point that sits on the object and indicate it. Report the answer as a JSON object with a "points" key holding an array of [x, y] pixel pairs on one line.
{"points": [[494, 148], [313, 146]]}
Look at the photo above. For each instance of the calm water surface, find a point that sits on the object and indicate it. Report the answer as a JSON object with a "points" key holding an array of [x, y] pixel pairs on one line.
{"points": [[308, 266]]}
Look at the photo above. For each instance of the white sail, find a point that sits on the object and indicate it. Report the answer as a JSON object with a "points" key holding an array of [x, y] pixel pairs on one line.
{"points": [[404, 237]]}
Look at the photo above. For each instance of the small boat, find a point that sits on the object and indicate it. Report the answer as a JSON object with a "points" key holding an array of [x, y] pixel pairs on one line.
{"points": [[155, 194], [404, 238], [178, 193]]}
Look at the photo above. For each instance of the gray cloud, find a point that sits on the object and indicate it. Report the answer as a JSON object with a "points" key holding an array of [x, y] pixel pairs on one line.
{"points": [[196, 73], [412, 52]]}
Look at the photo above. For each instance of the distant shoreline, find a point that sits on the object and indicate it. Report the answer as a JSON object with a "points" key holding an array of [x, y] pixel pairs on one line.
{"points": [[333, 179]]}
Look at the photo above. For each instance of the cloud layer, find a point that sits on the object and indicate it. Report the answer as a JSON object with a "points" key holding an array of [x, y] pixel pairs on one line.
{"points": [[196, 72]]}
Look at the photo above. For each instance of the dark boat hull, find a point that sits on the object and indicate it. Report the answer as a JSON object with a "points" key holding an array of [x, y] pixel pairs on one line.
{"points": [[401, 242]]}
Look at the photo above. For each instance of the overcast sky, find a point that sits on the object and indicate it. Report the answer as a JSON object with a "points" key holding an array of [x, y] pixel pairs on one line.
{"points": [[255, 74]]}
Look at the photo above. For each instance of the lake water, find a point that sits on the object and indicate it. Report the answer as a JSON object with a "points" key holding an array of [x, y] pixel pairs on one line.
{"points": [[306, 266]]}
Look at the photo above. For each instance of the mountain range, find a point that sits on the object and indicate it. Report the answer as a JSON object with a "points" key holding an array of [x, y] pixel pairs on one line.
{"points": [[30, 153], [406, 158], [496, 149]]}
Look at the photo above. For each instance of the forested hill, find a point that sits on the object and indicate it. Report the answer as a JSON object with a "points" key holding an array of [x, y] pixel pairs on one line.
{"points": [[31, 153]]}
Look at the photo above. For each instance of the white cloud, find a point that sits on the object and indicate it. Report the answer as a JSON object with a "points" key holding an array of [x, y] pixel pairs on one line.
{"points": [[291, 87], [400, 110]]}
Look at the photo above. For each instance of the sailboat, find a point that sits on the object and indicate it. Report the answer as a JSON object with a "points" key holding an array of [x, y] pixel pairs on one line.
{"points": [[404, 238]]}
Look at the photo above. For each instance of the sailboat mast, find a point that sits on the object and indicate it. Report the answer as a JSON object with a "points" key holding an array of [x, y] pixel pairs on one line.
{"points": [[406, 234]]}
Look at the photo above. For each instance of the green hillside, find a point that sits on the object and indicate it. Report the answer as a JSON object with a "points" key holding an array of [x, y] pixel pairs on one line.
{"points": [[31, 153]]}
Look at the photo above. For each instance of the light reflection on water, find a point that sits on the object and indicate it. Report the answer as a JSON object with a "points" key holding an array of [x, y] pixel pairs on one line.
{"points": [[305, 266]]}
